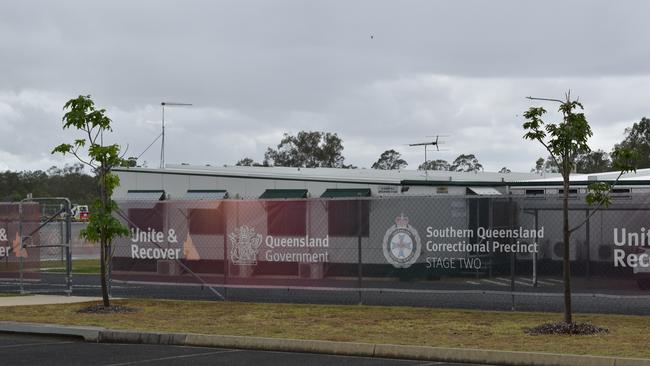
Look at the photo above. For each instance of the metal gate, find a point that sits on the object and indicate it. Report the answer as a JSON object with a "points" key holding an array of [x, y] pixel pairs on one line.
{"points": [[44, 251]]}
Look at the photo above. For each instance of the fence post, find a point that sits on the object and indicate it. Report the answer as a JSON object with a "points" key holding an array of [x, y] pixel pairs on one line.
{"points": [[68, 247], [20, 247], [359, 260], [62, 228], [513, 255], [588, 245], [536, 211], [226, 263]]}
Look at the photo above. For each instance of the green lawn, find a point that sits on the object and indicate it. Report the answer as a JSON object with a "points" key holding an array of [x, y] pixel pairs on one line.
{"points": [[628, 336], [87, 266]]}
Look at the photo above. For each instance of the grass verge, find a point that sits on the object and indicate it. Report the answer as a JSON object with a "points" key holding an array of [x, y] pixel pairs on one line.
{"points": [[11, 294], [627, 335], [84, 266]]}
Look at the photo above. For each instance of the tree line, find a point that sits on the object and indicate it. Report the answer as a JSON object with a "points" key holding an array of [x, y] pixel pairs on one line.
{"points": [[69, 181], [310, 149], [636, 137], [317, 149], [392, 160]]}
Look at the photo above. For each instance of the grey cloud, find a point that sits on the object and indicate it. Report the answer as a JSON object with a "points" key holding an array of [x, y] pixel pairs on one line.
{"points": [[256, 69]]}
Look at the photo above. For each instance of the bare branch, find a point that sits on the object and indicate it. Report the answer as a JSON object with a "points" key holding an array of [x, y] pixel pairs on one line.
{"points": [[88, 131], [82, 160], [546, 99], [98, 132], [549, 152], [125, 151]]}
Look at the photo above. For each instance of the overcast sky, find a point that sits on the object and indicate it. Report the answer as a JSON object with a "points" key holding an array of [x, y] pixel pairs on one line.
{"points": [[380, 74]]}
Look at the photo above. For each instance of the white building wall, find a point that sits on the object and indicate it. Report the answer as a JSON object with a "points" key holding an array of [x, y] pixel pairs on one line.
{"points": [[176, 185], [202, 183]]}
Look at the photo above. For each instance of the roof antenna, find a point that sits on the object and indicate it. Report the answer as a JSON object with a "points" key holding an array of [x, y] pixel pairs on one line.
{"points": [[162, 145], [425, 144]]}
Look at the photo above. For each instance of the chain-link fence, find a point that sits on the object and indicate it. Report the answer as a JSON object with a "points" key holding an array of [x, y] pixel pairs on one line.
{"points": [[457, 251], [461, 251], [34, 246], [13, 257]]}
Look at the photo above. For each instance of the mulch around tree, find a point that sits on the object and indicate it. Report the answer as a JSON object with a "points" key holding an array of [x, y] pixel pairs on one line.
{"points": [[562, 328], [101, 309]]}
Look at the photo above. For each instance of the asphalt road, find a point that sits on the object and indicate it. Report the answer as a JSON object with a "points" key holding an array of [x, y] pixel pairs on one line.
{"points": [[18, 350]]}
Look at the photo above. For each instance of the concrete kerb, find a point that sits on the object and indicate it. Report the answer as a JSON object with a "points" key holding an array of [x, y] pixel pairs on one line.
{"points": [[462, 355], [89, 334]]}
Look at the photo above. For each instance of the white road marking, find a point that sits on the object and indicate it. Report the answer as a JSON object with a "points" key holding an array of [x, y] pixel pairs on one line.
{"points": [[35, 344], [507, 280], [541, 282], [495, 283], [173, 357]]}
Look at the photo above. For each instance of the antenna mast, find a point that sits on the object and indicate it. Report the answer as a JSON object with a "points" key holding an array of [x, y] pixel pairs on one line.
{"points": [[162, 145], [425, 144]]}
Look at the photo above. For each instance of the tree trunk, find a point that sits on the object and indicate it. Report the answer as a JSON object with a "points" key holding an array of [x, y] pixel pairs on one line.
{"points": [[104, 257], [566, 260]]}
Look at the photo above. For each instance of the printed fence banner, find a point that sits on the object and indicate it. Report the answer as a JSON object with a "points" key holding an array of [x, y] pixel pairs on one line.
{"points": [[445, 242], [10, 251]]}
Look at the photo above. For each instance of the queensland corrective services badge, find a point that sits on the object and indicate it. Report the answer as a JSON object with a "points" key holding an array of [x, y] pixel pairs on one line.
{"points": [[402, 244]]}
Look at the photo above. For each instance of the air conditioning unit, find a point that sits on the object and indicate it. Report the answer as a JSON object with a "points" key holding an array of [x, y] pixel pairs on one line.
{"points": [[557, 250]]}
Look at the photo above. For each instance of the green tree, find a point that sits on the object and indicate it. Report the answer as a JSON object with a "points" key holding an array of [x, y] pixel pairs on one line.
{"points": [[539, 166], [54, 170], [437, 164], [593, 162], [505, 170], [248, 162], [307, 149], [69, 182], [551, 166], [245, 162], [130, 162], [565, 141], [103, 227], [545, 166], [638, 138], [390, 160], [466, 163]]}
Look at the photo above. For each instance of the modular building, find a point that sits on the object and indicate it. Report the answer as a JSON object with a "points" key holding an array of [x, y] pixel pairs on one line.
{"points": [[234, 182], [213, 210], [264, 198]]}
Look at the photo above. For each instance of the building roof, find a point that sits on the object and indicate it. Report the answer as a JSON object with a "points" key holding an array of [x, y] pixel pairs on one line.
{"points": [[364, 176], [641, 176]]}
